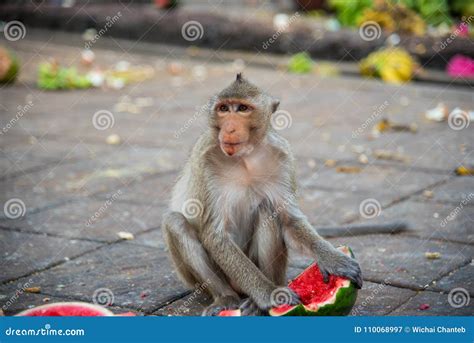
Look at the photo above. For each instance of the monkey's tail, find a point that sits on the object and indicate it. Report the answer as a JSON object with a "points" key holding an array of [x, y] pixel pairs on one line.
{"points": [[362, 229]]}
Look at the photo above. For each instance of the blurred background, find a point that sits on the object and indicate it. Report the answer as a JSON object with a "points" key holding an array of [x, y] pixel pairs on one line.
{"points": [[101, 102]]}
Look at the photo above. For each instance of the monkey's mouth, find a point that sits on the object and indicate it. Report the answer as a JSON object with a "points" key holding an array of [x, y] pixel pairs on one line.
{"points": [[232, 144], [231, 148]]}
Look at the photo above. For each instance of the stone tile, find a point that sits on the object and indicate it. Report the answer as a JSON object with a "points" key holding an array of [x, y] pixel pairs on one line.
{"points": [[153, 191], [325, 207], [25, 253], [72, 181], [32, 152], [433, 148], [11, 166], [92, 219], [437, 148], [372, 178], [375, 299], [160, 129], [458, 191], [153, 239], [461, 278], [439, 306], [400, 261], [190, 305], [134, 276], [431, 220]]}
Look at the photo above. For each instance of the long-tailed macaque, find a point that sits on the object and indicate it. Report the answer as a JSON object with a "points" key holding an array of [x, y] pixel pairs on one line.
{"points": [[234, 209]]}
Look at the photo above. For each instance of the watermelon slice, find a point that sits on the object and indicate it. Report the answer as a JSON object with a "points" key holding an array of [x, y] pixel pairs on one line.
{"points": [[67, 309], [335, 298]]}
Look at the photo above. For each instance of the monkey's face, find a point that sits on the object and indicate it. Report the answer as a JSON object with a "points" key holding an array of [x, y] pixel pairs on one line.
{"points": [[237, 124]]}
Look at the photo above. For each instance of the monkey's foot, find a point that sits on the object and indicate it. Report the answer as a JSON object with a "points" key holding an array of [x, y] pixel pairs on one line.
{"points": [[249, 308], [221, 304]]}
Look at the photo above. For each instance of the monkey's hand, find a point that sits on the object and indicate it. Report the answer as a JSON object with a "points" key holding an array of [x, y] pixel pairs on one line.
{"points": [[334, 262], [278, 297]]}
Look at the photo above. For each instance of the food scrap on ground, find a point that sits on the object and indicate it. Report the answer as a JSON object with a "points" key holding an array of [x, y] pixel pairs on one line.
{"points": [[134, 106], [51, 76], [348, 169], [424, 307], [432, 255], [363, 159], [387, 125], [126, 235], [428, 194], [388, 155], [113, 139], [439, 113], [33, 289], [465, 170]]}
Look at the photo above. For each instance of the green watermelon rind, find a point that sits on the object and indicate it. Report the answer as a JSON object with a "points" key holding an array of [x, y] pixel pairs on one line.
{"points": [[12, 72], [340, 304]]}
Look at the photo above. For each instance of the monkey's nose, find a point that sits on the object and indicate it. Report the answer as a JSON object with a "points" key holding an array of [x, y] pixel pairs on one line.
{"points": [[230, 130]]}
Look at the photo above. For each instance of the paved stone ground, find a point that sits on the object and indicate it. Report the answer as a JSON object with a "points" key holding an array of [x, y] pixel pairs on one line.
{"points": [[61, 168]]}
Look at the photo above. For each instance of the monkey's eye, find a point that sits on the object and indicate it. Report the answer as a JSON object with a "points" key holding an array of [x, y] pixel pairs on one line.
{"points": [[243, 108], [223, 108]]}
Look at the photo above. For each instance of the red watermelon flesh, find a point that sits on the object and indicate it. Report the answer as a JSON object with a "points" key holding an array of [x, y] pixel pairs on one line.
{"points": [[312, 289], [230, 313], [67, 309]]}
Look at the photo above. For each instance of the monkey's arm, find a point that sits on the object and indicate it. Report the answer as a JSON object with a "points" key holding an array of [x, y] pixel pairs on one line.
{"points": [[329, 259], [239, 268]]}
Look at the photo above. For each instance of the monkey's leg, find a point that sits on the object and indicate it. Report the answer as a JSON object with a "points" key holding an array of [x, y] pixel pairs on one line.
{"points": [[268, 251], [194, 265]]}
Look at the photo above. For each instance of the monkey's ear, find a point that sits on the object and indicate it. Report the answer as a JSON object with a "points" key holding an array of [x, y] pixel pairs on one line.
{"points": [[275, 104], [239, 77]]}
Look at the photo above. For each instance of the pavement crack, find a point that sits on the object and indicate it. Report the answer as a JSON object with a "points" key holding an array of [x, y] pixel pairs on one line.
{"points": [[171, 300], [55, 264]]}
